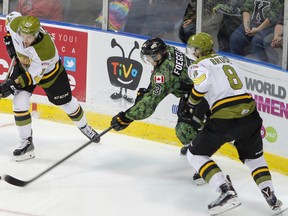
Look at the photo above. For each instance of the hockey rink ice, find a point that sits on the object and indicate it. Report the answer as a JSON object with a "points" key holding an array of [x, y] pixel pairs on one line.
{"points": [[120, 176]]}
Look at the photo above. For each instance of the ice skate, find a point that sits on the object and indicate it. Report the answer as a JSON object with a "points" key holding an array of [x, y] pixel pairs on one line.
{"points": [[226, 201], [89, 132], [184, 149], [25, 151], [198, 179], [271, 199]]}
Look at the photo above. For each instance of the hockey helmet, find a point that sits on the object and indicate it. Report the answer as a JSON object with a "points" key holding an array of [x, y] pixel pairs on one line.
{"points": [[29, 25], [152, 48], [202, 42]]}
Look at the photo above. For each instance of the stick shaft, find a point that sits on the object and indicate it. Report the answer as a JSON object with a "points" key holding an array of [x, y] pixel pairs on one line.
{"points": [[17, 182], [11, 67]]}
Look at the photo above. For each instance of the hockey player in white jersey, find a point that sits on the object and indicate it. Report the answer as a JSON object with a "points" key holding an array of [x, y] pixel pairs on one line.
{"points": [[37, 63], [234, 117]]}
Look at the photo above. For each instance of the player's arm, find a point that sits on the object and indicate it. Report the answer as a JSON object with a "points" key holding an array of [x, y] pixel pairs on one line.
{"points": [[199, 77], [145, 104]]}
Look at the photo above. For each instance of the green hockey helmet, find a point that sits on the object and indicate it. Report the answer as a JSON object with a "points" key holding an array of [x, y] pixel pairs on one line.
{"points": [[29, 25], [201, 41]]}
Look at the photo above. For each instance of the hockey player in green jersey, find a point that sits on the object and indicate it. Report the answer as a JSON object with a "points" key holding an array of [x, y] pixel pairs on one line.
{"points": [[170, 65], [234, 117], [37, 63]]}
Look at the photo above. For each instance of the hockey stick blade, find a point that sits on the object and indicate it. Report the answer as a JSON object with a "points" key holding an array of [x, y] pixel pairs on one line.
{"points": [[17, 182]]}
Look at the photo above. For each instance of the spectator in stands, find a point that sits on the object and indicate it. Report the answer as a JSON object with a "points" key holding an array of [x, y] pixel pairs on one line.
{"points": [[156, 18], [137, 17], [231, 19], [188, 26], [50, 10], [81, 12], [259, 18], [118, 13], [273, 43]]}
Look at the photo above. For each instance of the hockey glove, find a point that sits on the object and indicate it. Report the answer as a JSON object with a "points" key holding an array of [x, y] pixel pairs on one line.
{"points": [[188, 115], [7, 88], [186, 110], [9, 45], [120, 122]]}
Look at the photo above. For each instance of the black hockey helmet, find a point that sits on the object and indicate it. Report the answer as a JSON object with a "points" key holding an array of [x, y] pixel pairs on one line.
{"points": [[153, 47]]}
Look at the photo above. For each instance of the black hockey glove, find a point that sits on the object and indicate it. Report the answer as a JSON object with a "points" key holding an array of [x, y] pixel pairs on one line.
{"points": [[188, 110], [188, 115], [120, 122], [7, 88], [9, 45]]}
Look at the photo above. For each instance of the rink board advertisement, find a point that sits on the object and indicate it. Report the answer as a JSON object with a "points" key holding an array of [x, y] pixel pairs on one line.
{"points": [[269, 88], [106, 71], [71, 46], [117, 72]]}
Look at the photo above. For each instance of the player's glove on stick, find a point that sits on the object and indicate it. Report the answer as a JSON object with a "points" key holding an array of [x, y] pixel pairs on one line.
{"points": [[120, 122], [187, 110], [7, 88], [9, 45]]}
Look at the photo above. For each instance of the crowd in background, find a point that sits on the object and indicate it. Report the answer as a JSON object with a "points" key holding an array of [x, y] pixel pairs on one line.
{"points": [[248, 28]]}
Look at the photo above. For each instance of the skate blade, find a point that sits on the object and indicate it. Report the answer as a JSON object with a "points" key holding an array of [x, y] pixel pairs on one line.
{"points": [[230, 204], [280, 212], [26, 156], [278, 206], [200, 181]]}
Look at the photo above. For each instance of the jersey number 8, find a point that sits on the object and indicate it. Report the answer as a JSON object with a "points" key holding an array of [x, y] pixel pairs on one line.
{"points": [[232, 77]]}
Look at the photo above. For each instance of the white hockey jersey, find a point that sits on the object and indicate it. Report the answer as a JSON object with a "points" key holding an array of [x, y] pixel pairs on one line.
{"points": [[37, 60], [220, 82]]}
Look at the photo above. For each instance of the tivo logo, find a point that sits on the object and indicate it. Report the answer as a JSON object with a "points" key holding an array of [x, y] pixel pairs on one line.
{"points": [[124, 72]]}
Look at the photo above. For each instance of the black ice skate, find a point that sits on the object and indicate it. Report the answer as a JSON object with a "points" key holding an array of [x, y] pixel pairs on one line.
{"points": [[198, 179], [184, 149], [271, 199], [25, 151], [90, 133], [226, 201]]}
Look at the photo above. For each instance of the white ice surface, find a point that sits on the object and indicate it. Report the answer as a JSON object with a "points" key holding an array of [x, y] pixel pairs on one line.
{"points": [[121, 176]]}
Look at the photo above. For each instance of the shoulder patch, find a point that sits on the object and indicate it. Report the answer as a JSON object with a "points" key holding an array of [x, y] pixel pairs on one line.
{"points": [[199, 79], [159, 79]]}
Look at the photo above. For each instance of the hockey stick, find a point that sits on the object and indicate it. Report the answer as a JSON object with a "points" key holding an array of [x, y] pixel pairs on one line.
{"points": [[11, 67], [9, 70], [17, 182]]}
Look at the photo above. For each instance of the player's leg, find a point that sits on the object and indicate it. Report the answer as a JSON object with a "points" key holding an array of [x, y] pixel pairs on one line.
{"points": [[59, 93], [250, 150], [21, 104], [187, 128], [206, 143]]}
